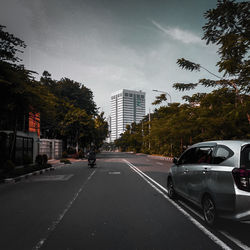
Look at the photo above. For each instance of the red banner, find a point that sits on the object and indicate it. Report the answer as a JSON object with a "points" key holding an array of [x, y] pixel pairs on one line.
{"points": [[34, 123]]}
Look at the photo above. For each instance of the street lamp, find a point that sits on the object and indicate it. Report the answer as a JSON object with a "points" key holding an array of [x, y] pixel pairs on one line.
{"points": [[164, 92]]}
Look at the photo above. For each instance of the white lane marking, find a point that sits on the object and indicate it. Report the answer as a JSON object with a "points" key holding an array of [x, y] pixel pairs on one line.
{"points": [[51, 178], [236, 241], [192, 210], [60, 217], [115, 173], [150, 181], [159, 163]]}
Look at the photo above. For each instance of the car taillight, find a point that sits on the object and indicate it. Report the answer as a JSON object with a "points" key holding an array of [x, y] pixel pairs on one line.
{"points": [[242, 178]]}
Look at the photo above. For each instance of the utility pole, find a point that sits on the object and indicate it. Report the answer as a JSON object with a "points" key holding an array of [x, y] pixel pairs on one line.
{"points": [[149, 128]]}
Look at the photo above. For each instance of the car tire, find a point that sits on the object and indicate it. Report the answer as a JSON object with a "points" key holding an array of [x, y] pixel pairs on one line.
{"points": [[171, 191], [209, 211]]}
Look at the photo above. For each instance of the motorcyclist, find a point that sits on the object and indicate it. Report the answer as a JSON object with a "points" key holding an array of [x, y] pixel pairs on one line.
{"points": [[91, 156]]}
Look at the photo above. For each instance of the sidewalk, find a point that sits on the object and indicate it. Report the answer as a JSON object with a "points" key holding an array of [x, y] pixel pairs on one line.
{"points": [[167, 158], [54, 163], [160, 157]]}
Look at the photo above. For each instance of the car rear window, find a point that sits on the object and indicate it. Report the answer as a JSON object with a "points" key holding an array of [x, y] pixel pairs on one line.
{"points": [[245, 157], [221, 154]]}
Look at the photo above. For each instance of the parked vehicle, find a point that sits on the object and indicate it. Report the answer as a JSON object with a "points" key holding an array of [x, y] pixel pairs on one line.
{"points": [[214, 175]]}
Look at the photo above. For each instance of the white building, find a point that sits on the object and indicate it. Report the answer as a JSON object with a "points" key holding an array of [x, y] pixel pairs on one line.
{"points": [[127, 106]]}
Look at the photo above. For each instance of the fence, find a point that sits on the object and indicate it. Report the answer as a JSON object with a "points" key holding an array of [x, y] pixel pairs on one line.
{"points": [[52, 148], [23, 148]]}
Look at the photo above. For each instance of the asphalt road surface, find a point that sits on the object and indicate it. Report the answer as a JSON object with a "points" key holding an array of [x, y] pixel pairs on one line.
{"points": [[122, 203]]}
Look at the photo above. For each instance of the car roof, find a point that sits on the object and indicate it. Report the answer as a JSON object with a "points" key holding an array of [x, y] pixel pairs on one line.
{"points": [[228, 143]]}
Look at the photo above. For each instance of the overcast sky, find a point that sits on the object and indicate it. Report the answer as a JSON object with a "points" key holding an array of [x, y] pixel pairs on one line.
{"points": [[110, 44]]}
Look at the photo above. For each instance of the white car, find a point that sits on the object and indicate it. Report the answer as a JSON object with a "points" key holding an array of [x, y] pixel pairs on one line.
{"points": [[214, 175]]}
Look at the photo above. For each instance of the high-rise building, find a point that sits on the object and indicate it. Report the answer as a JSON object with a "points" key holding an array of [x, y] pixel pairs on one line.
{"points": [[127, 106]]}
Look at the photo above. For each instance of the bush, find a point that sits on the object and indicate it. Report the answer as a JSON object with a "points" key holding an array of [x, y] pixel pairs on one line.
{"points": [[65, 161], [65, 154], [45, 159], [75, 156], [81, 154], [71, 150], [27, 160], [9, 166], [42, 160], [39, 160]]}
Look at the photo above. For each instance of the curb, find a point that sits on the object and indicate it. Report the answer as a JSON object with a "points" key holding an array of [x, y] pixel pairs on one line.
{"points": [[161, 157], [26, 176], [38, 172], [154, 156]]}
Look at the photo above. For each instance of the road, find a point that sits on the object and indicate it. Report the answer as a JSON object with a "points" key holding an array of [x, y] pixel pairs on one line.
{"points": [[119, 204]]}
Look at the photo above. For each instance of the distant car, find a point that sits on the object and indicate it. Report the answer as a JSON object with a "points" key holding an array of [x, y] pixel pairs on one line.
{"points": [[214, 175]]}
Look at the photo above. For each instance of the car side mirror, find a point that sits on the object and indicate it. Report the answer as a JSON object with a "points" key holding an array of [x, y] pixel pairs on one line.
{"points": [[175, 160]]}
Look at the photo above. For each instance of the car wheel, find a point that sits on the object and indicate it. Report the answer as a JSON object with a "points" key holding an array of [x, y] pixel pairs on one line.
{"points": [[171, 191], [209, 211]]}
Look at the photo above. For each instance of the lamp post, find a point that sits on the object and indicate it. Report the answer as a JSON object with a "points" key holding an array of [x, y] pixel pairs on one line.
{"points": [[164, 92]]}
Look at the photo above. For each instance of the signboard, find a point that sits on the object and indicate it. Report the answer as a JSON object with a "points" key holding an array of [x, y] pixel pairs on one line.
{"points": [[34, 122]]}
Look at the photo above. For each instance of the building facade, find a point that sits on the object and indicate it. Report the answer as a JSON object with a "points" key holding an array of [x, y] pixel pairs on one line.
{"points": [[127, 106]]}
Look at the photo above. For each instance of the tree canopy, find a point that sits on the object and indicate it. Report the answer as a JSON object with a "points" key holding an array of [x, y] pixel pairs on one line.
{"points": [[220, 114], [67, 108], [228, 26]]}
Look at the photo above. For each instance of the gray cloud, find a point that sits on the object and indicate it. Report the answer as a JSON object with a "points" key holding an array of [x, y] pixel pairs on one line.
{"points": [[109, 45]]}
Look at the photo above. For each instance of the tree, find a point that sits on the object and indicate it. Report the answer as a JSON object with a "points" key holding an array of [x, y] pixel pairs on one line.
{"points": [[228, 27], [16, 85], [78, 126], [77, 94], [69, 95], [9, 46], [101, 130], [159, 99]]}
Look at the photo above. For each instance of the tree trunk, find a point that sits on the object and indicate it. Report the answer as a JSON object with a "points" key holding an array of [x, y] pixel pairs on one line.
{"points": [[77, 142]]}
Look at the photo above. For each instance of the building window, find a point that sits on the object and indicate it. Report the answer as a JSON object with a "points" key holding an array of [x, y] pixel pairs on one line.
{"points": [[126, 94], [142, 96]]}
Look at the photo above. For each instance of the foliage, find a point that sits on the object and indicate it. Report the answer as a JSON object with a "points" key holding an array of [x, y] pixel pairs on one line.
{"points": [[228, 27], [27, 160], [160, 99], [80, 154], [42, 160], [101, 130], [76, 119], [65, 161], [60, 103], [9, 166], [45, 159], [173, 128], [9, 46], [78, 126], [39, 160], [71, 91], [64, 154]]}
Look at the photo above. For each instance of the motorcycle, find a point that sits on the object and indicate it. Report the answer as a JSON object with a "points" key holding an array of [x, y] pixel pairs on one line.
{"points": [[91, 162]]}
